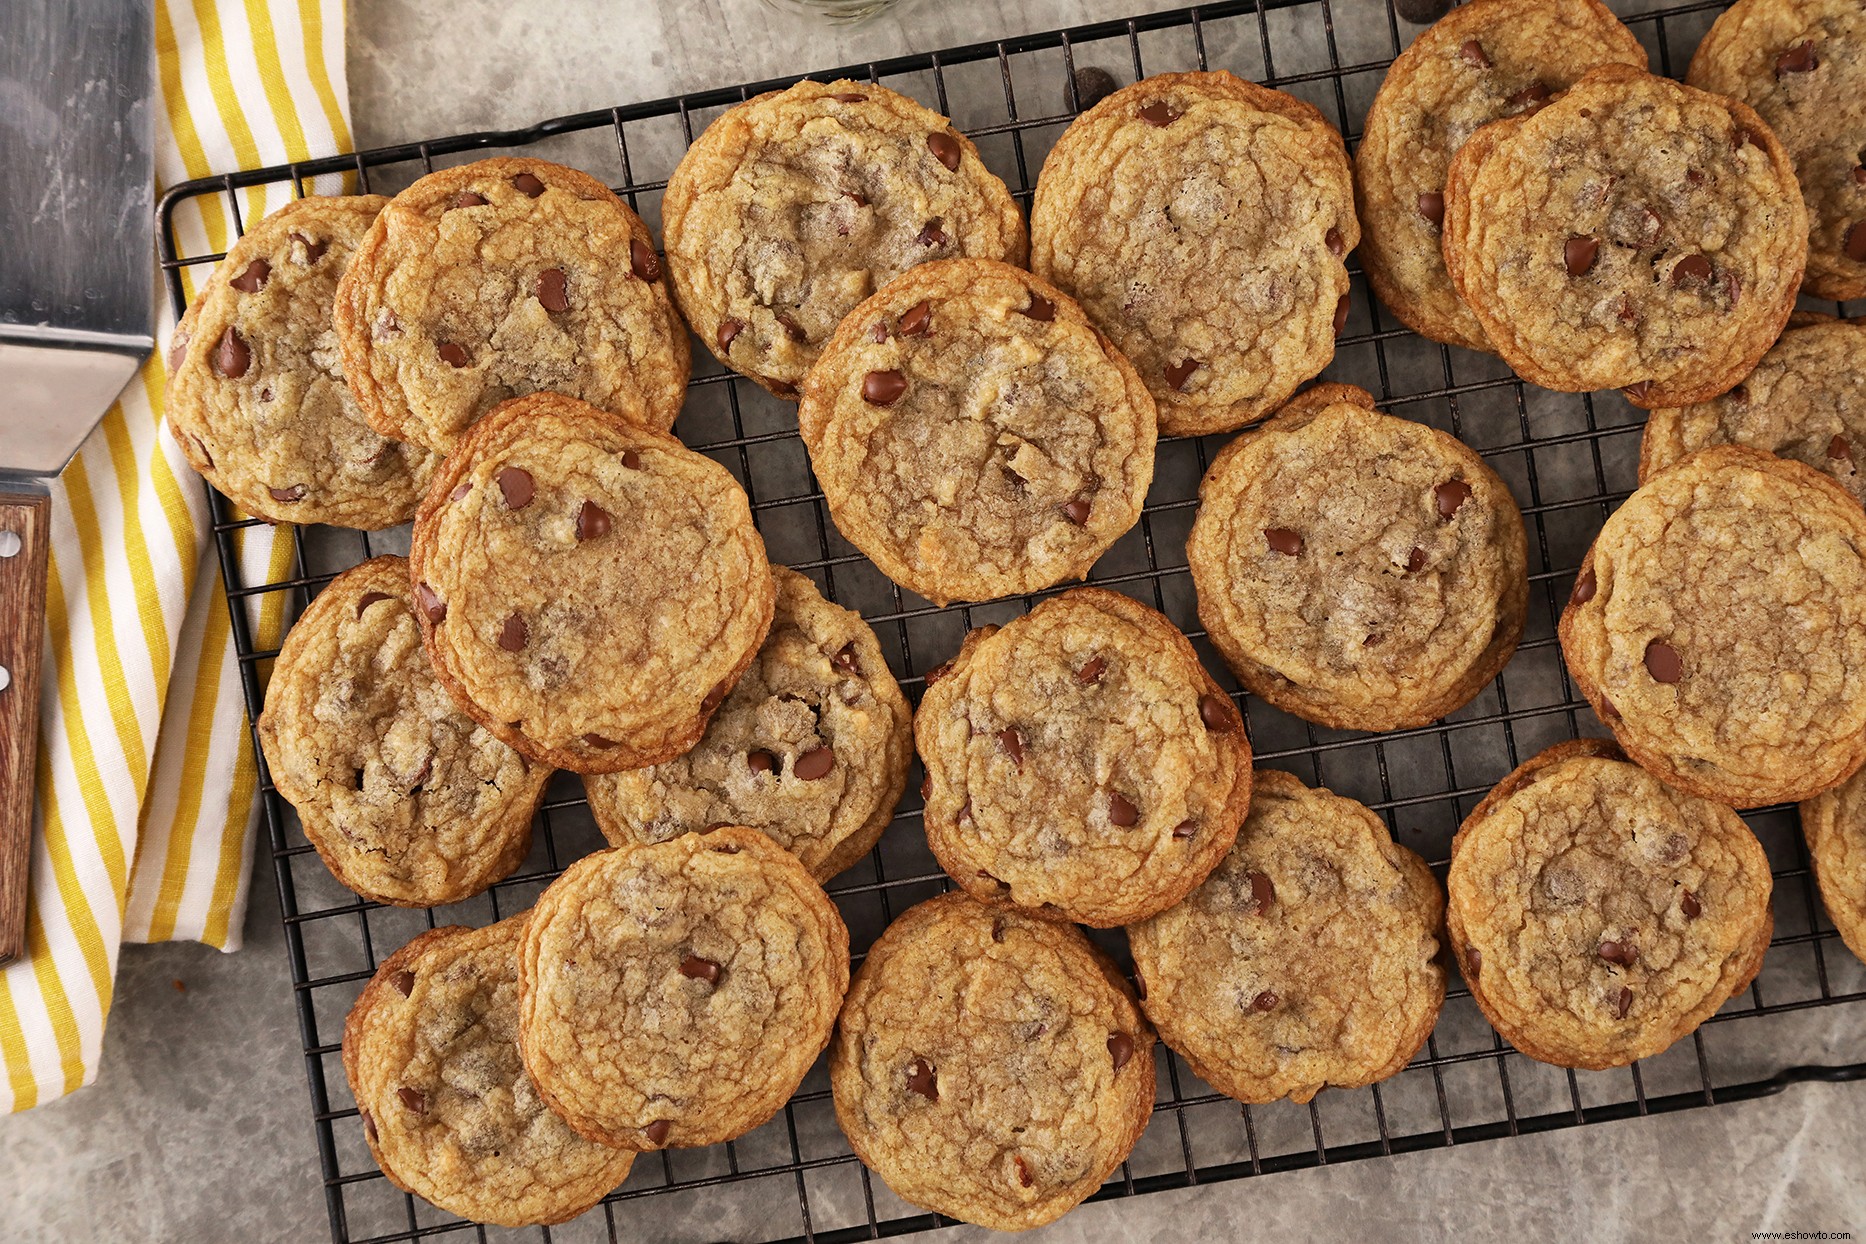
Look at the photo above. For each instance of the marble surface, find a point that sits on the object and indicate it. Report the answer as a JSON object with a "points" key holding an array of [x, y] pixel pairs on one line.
{"points": [[199, 1128]]}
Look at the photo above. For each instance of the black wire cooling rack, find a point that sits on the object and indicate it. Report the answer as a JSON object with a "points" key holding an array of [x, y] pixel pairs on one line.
{"points": [[1569, 458]]}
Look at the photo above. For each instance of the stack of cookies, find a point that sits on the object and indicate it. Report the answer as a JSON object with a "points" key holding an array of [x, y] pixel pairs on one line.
{"points": [[498, 354]]}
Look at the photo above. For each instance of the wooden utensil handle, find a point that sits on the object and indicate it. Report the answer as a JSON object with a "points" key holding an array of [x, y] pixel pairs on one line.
{"points": [[25, 523]]}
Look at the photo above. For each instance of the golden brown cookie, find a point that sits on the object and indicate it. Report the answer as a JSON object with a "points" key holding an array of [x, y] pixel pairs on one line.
{"points": [[1201, 221], [1080, 762], [504, 277], [974, 434], [406, 798], [794, 206], [256, 394], [589, 589], [675, 994], [1835, 826], [431, 1052], [1599, 914], [990, 1066], [811, 748], [1357, 569], [1634, 234], [1308, 960], [1801, 64], [1483, 61], [1718, 627]]}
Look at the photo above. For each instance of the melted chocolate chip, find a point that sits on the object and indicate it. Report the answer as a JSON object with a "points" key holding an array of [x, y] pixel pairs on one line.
{"points": [[1621, 953], [599, 742], [288, 495], [714, 698], [1415, 561], [1178, 373], [1472, 53], [1121, 810], [1532, 96], [1215, 712], [432, 607], [454, 354], [1584, 587], [231, 357], [516, 486], [1013, 744], [945, 149], [1262, 892], [593, 522], [1473, 960], [466, 198], [631, 460], [412, 1099], [1283, 540], [932, 234], [727, 331], [883, 388], [844, 662], [254, 278], [815, 763], [1040, 309], [514, 635], [1336, 244], [848, 97], [1839, 450], [1185, 829], [1691, 268], [642, 260], [695, 968], [1120, 1049], [1663, 662], [1855, 244], [314, 249], [553, 290], [1798, 59], [1450, 495], [921, 1079], [1637, 392], [528, 185], [369, 598], [657, 1131], [916, 320], [1622, 1003], [1431, 206], [1023, 1170], [1578, 254], [1265, 1001], [759, 760], [1690, 906], [938, 672], [1159, 115], [369, 1126], [1341, 313], [1091, 673], [1076, 510], [405, 981]]}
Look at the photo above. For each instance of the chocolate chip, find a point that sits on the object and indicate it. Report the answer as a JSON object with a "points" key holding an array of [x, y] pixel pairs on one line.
{"points": [[1637, 392], [369, 598], [515, 483], [1215, 712], [369, 1126], [1121, 809], [527, 185], [844, 661], [657, 1131], [177, 349], [1262, 891], [288, 495], [791, 327], [432, 607], [553, 290], [231, 357], [1839, 450], [883, 388], [759, 760], [1265, 1001], [1092, 86], [1421, 12], [631, 460], [926, 787], [916, 321], [1415, 561], [1120, 1049], [1534, 96], [695, 968], [921, 1080], [1023, 1170], [1473, 54], [945, 148], [1336, 244], [593, 522], [1584, 587], [254, 278], [1859, 174], [1450, 495], [1431, 205], [642, 260], [938, 672], [1691, 268], [454, 354], [848, 97], [783, 388], [1091, 673], [405, 981], [1579, 254], [878, 331], [1013, 744], [714, 698], [1621, 953], [466, 198], [1283, 540], [314, 249], [1798, 59], [1076, 510], [1178, 373], [1623, 1003], [728, 329], [1473, 960], [1159, 115], [412, 1099], [599, 742], [1663, 662], [1185, 829], [1690, 906], [514, 634], [1341, 313], [814, 764], [931, 234], [1855, 244], [1040, 309]]}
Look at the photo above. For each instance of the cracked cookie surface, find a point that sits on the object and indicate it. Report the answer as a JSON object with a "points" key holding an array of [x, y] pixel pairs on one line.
{"points": [[1718, 627], [1080, 762], [676, 994], [1307, 960], [811, 748], [1481, 62], [407, 799], [1635, 234], [975, 435], [431, 1051], [1801, 64], [256, 396], [589, 589], [1358, 569], [500, 278], [793, 207], [1803, 401], [1600, 915], [990, 1066], [1835, 826]]}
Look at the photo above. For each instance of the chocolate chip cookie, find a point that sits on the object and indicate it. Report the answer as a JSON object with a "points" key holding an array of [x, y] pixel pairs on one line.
{"points": [[407, 799], [431, 1051], [794, 206], [990, 1066], [1599, 914], [1718, 627], [811, 748], [588, 589], [1307, 960], [1803, 401], [1201, 221], [1484, 61], [675, 994], [1356, 569], [500, 278], [1835, 826], [1633, 234], [1080, 762], [1801, 64], [974, 435], [256, 395]]}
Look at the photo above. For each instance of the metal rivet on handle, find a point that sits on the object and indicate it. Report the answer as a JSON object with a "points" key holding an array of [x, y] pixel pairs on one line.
{"points": [[6, 679], [9, 547]]}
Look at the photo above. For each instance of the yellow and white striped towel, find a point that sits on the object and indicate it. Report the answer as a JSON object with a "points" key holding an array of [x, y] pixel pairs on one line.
{"points": [[145, 809]]}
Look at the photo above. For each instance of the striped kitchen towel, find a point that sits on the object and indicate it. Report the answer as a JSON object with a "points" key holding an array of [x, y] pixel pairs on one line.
{"points": [[145, 810]]}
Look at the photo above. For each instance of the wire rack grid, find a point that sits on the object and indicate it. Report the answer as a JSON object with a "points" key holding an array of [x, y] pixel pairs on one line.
{"points": [[1569, 458]]}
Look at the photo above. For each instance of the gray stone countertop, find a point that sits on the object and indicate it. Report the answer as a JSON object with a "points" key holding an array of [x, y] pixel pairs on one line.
{"points": [[199, 1127]]}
